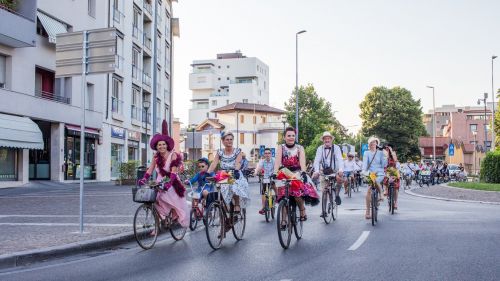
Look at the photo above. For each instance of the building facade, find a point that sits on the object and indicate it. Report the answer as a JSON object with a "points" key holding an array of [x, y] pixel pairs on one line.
{"points": [[253, 125], [230, 78], [116, 119]]}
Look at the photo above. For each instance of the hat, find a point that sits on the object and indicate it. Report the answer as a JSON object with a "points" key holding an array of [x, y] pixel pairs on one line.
{"points": [[162, 137], [350, 154], [373, 138], [204, 160], [326, 134], [224, 134]]}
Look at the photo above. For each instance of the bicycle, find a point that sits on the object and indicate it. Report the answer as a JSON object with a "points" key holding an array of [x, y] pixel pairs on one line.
{"points": [[374, 201], [287, 218], [197, 212], [219, 218], [147, 223], [390, 195], [329, 207], [270, 197], [350, 185]]}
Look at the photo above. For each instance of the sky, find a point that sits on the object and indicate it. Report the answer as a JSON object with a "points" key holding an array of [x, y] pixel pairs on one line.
{"points": [[349, 47]]}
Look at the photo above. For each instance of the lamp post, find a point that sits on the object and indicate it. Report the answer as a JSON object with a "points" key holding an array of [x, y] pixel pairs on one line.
{"points": [[192, 129], [146, 104], [485, 129], [433, 124], [475, 147], [283, 120], [492, 106], [297, 84]]}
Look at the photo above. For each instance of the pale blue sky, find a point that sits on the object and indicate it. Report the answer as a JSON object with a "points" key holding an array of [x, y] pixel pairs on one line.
{"points": [[350, 46]]}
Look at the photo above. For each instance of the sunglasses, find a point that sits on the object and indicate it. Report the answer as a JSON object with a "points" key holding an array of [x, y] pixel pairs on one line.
{"points": [[201, 166]]}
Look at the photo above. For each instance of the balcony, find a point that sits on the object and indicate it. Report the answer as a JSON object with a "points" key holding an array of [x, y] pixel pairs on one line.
{"points": [[134, 112], [219, 94], [270, 126], [146, 79], [166, 95], [137, 34], [17, 30], [146, 119], [146, 42], [136, 72], [117, 108], [52, 97], [148, 9], [118, 18], [202, 81]]}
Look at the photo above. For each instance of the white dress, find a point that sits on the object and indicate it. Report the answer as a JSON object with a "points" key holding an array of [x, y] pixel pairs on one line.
{"points": [[240, 186]]}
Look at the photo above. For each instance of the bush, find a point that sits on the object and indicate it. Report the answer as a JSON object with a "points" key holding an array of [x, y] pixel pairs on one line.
{"points": [[128, 170], [9, 4], [490, 167]]}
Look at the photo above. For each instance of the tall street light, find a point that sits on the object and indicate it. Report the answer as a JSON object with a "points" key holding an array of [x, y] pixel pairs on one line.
{"points": [[475, 148], [146, 104], [283, 120], [485, 129], [297, 84], [492, 106], [433, 124]]}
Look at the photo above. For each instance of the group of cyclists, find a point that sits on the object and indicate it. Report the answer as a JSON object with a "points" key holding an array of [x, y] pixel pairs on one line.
{"points": [[438, 172], [290, 163]]}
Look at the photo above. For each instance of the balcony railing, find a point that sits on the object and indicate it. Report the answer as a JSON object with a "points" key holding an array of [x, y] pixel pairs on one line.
{"points": [[146, 78], [52, 97], [147, 6], [146, 118], [146, 41], [136, 32], [134, 112], [116, 105], [135, 72]]}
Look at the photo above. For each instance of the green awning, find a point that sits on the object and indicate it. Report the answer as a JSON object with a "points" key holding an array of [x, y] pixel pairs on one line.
{"points": [[19, 132]]}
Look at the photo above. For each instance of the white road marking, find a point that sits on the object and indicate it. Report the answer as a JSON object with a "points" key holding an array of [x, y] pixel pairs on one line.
{"points": [[66, 224], [360, 241], [63, 216]]}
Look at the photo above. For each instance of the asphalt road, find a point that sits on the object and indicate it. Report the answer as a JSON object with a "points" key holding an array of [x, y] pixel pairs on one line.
{"points": [[425, 240]]}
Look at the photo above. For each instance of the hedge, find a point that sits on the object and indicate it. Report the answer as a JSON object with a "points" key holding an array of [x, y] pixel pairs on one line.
{"points": [[490, 167]]}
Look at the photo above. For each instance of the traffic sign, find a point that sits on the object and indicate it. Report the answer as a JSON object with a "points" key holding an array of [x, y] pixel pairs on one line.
{"points": [[261, 150], [451, 149], [273, 152], [364, 147]]}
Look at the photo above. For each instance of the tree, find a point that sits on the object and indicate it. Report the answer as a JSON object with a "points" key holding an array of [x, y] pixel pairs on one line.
{"points": [[394, 116], [315, 117]]}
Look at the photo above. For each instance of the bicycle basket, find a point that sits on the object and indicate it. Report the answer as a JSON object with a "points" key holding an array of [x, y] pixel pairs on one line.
{"points": [[145, 195]]}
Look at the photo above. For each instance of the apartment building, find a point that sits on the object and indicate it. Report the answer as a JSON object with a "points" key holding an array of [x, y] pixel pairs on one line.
{"points": [[116, 117], [230, 78]]}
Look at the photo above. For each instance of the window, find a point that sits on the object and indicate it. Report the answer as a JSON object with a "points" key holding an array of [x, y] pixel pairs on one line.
{"points": [[254, 138], [91, 8], [158, 113], [116, 102], [135, 23], [245, 100], [255, 119], [3, 70], [263, 118], [473, 127], [136, 101], [214, 103], [167, 113], [135, 63], [242, 138], [242, 119], [44, 83], [264, 85], [167, 57], [89, 101]]}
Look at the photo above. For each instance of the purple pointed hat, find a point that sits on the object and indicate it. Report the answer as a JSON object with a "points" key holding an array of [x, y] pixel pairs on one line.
{"points": [[162, 137]]}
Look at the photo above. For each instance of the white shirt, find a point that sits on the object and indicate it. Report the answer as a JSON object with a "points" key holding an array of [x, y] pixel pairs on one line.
{"points": [[350, 166], [324, 157], [359, 165]]}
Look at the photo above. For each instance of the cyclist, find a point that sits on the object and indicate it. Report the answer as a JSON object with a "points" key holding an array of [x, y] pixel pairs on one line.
{"points": [[265, 167], [374, 161], [392, 162], [359, 167], [204, 187], [329, 160], [165, 162], [230, 159], [293, 157], [349, 170]]}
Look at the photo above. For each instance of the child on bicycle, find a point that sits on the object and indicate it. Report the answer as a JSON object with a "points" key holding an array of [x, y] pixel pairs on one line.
{"points": [[204, 187], [265, 168]]}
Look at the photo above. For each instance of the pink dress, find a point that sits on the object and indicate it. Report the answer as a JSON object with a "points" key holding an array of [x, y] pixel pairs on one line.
{"points": [[169, 199]]}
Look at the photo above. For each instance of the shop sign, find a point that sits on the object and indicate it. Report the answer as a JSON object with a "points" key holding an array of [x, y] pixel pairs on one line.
{"points": [[133, 135], [117, 132]]}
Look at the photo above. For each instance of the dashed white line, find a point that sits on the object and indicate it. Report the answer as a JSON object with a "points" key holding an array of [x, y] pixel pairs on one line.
{"points": [[360, 241]]}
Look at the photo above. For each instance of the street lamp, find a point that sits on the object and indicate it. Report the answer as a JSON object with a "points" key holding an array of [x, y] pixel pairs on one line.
{"points": [[492, 106], [297, 84], [433, 124], [146, 104], [475, 147], [283, 120], [485, 129], [192, 129]]}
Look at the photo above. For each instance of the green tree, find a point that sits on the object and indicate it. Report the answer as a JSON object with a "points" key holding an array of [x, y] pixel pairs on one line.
{"points": [[394, 116], [315, 117]]}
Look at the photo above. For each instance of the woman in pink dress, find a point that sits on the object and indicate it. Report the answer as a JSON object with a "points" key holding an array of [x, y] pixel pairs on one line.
{"points": [[165, 163]]}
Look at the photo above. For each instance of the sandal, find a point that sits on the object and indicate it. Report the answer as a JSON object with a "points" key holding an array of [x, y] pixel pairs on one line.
{"points": [[284, 225], [368, 216], [236, 211], [303, 217]]}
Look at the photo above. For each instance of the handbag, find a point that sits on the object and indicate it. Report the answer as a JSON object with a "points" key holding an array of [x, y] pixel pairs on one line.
{"points": [[145, 195], [329, 170]]}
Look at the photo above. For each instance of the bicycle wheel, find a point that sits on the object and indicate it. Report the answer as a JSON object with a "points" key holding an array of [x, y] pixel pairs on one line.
{"points": [[284, 224], [389, 198], [373, 206], [239, 224], [193, 220], [349, 189], [326, 206], [267, 208], [175, 228], [421, 182], [392, 200], [214, 228], [333, 206], [298, 225], [146, 226], [273, 209]]}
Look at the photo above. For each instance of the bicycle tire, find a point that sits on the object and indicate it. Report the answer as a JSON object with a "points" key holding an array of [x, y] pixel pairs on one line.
{"points": [[143, 230], [175, 228], [421, 183], [326, 207], [392, 200], [214, 228], [334, 207], [373, 206], [273, 209], [284, 235], [239, 224], [193, 220], [298, 225]]}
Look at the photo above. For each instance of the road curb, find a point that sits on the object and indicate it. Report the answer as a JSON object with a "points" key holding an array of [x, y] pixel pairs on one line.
{"points": [[409, 192], [40, 255]]}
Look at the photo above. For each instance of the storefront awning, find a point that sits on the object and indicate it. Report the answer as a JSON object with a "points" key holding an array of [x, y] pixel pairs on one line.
{"points": [[51, 26], [19, 132]]}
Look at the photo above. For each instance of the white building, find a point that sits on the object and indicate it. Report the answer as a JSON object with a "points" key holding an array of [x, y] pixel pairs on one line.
{"points": [[228, 79], [115, 118], [253, 125]]}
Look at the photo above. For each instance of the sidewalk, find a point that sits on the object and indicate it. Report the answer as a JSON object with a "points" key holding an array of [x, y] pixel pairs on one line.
{"points": [[453, 193], [42, 218]]}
